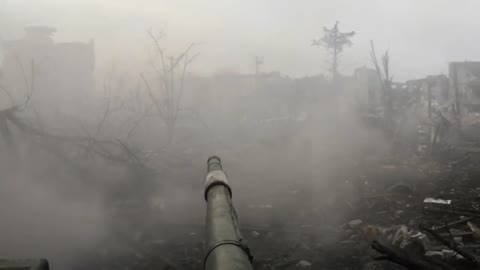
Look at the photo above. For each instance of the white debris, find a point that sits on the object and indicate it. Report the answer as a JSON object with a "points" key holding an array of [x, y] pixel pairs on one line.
{"points": [[437, 201], [355, 223]]}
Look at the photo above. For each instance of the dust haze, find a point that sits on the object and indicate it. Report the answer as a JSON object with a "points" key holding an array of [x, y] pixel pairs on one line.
{"points": [[109, 110]]}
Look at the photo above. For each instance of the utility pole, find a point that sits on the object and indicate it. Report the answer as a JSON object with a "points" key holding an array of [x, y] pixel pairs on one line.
{"points": [[3, 22], [335, 53], [258, 63]]}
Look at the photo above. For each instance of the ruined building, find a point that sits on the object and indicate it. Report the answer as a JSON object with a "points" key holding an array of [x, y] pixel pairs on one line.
{"points": [[465, 85], [432, 91], [60, 75], [367, 88]]}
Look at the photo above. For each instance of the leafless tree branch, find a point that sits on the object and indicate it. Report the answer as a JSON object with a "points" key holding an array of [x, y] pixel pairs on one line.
{"points": [[152, 97]]}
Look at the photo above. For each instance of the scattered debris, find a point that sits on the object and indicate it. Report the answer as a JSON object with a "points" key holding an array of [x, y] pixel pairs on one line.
{"points": [[401, 187], [255, 234], [437, 201], [355, 223], [303, 264], [475, 229]]}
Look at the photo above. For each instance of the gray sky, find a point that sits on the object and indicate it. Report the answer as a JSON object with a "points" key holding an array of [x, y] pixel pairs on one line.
{"points": [[422, 35]]}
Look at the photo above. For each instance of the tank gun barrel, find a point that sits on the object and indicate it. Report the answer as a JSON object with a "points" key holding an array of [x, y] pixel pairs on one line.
{"points": [[226, 248]]}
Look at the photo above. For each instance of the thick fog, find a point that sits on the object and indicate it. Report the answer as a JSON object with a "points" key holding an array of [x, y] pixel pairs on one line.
{"points": [[110, 108]]}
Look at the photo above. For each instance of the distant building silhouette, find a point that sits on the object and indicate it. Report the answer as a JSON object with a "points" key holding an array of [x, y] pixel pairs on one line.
{"points": [[60, 74]]}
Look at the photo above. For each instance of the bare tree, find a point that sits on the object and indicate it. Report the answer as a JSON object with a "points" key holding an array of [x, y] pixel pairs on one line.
{"points": [[7, 115], [386, 80], [334, 41], [170, 73], [258, 63], [112, 99]]}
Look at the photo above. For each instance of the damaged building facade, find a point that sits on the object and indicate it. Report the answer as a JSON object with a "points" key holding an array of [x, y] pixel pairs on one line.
{"points": [[465, 85], [426, 111]]}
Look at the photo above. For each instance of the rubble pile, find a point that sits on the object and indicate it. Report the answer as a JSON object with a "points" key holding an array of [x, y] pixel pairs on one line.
{"points": [[429, 222]]}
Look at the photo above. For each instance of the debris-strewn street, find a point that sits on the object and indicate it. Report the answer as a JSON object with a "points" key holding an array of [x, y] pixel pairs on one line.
{"points": [[422, 213]]}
